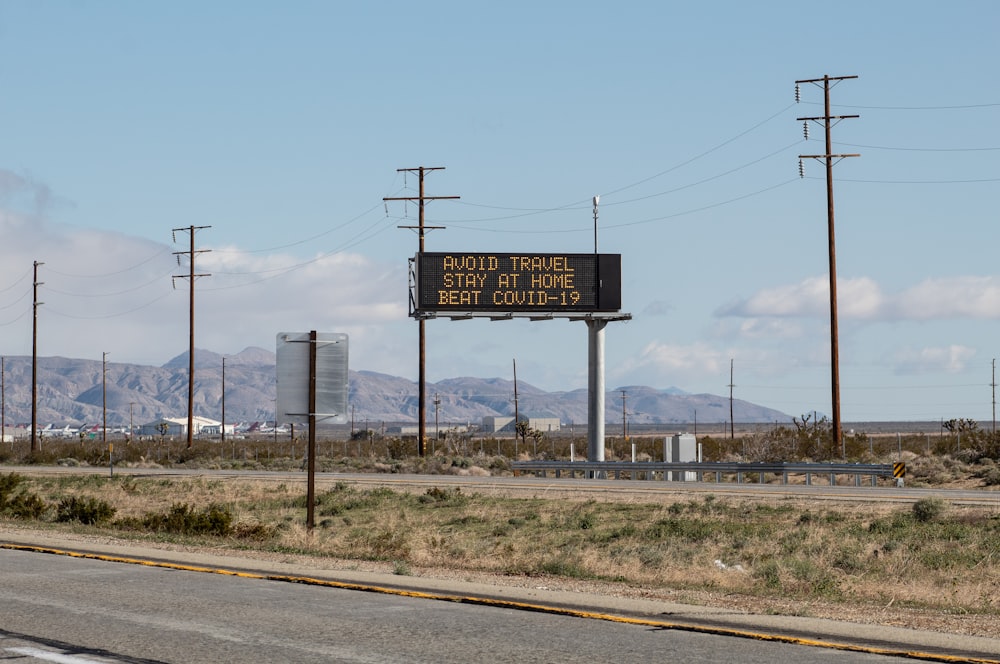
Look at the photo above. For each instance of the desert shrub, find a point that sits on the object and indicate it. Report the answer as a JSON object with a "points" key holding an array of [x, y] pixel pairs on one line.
{"points": [[769, 573], [399, 449], [254, 531], [438, 495], [16, 503], [88, 511], [8, 484], [991, 476], [342, 499], [183, 519], [26, 506], [928, 509]]}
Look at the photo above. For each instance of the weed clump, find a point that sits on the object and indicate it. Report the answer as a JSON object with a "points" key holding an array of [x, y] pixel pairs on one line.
{"points": [[88, 511], [17, 503], [928, 509], [183, 519], [438, 495]]}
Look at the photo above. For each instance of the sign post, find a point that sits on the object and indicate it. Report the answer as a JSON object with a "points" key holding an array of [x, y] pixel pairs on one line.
{"points": [[312, 385], [507, 285]]}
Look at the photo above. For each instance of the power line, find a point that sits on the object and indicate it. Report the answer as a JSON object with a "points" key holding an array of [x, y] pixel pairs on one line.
{"points": [[159, 253], [639, 222], [885, 147], [957, 107]]}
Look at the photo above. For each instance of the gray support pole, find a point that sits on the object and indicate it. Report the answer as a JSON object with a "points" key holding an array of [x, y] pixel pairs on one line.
{"points": [[595, 385]]}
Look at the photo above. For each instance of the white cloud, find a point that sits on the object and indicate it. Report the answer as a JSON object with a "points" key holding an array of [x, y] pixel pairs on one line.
{"points": [[767, 329], [949, 359], [109, 292], [810, 297], [966, 297], [951, 297], [675, 361], [856, 298]]}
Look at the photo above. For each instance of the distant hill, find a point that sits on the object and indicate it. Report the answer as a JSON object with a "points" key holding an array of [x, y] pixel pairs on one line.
{"points": [[71, 392]]}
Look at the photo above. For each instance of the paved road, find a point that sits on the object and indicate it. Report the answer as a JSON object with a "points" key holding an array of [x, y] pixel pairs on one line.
{"points": [[65, 609]]}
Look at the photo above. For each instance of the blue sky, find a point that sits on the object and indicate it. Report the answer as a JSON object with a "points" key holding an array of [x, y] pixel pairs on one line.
{"points": [[282, 126]]}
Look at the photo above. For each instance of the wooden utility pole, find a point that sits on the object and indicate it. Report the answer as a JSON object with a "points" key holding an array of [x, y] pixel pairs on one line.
{"points": [[311, 445], [828, 120], [104, 397], [421, 229], [222, 431], [624, 420], [34, 360], [3, 400], [517, 414], [190, 276], [732, 422]]}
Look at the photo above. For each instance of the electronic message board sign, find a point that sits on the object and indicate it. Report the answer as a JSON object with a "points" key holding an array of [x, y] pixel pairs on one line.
{"points": [[516, 282]]}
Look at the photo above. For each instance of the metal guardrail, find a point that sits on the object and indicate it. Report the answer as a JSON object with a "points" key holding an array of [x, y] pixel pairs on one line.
{"points": [[694, 471]]}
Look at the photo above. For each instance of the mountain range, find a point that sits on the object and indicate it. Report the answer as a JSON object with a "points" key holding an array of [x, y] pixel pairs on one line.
{"points": [[72, 392]]}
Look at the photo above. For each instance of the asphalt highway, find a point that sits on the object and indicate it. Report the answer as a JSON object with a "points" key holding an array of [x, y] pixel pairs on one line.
{"points": [[112, 603]]}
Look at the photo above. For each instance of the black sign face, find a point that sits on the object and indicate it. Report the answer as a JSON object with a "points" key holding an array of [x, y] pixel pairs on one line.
{"points": [[499, 282]]}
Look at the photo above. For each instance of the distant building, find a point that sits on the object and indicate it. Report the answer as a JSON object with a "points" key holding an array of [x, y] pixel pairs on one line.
{"points": [[498, 424], [216, 429], [414, 430], [177, 426], [544, 422]]}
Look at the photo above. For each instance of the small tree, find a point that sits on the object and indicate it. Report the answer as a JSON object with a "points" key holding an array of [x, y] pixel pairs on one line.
{"points": [[522, 429], [961, 425]]}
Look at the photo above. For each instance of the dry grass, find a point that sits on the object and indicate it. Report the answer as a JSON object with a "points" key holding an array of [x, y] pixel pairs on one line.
{"points": [[945, 558]]}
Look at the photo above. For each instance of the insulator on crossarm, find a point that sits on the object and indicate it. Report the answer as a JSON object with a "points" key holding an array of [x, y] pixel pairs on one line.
{"points": [[802, 170], [805, 129], [797, 96]]}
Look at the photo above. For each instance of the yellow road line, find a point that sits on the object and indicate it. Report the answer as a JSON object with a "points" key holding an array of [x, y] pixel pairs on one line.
{"points": [[512, 604]]}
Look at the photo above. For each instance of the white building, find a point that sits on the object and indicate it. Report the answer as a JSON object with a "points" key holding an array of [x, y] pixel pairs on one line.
{"points": [[177, 426], [216, 429], [544, 422], [496, 424]]}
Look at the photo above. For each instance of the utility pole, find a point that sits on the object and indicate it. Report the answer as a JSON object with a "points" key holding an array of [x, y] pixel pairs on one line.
{"points": [[34, 359], [131, 428], [517, 415], [732, 422], [3, 399], [190, 276], [828, 120], [993, 384], [624, 420], [437, 406], [222, 431], [104, 396], [422, 352]]}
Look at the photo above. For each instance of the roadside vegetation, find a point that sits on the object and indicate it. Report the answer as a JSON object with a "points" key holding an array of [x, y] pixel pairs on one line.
{"points": [[961, 451], [929, 555]]}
